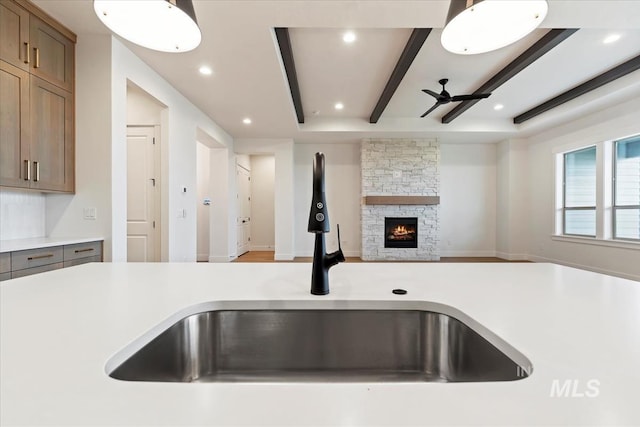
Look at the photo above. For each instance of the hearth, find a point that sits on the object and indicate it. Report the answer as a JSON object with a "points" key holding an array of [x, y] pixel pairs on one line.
{"points": [[400, 232]]}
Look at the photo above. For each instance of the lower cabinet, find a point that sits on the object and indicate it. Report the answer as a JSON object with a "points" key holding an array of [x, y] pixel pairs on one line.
{"points": [[32, 261]]}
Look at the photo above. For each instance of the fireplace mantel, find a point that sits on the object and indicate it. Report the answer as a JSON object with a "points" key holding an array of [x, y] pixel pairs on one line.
{"points": [[401, 200]]}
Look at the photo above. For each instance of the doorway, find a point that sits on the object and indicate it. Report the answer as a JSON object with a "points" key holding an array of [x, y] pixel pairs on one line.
{"points": [[143, 195]]}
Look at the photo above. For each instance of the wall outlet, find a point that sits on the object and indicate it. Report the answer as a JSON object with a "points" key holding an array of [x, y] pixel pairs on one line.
{"points": [[397, 174], [89, 213]]}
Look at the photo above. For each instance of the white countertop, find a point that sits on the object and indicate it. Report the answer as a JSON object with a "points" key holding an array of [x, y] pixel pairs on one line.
{"points": [[59, 329], [42, 242]]}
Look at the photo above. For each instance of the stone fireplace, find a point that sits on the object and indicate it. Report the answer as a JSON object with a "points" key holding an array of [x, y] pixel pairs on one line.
{"points": [[400, 187]]}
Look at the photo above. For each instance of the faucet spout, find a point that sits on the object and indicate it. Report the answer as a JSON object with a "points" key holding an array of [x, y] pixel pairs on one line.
{"points": [[319, 224]]}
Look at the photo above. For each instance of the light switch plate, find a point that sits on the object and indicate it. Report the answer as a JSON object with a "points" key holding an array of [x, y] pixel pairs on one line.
{"points": [[89, 213]]}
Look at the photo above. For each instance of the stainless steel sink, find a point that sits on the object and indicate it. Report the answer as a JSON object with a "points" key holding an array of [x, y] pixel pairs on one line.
{"points": [[397, 345]]}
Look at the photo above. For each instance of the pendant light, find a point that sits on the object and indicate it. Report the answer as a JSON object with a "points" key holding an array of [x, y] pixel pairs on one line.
{"points": [[477, 26], [164, 25]]}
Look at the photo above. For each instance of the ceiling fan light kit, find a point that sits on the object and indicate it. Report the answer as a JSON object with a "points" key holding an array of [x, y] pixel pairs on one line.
{"points": [[163, 25], [478, 26]]}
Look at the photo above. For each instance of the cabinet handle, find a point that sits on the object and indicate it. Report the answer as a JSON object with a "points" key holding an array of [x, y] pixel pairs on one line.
{"points": [[37, 64], [36, 165], [31, 258], [27, 58], [83, 250], [27, 170]]}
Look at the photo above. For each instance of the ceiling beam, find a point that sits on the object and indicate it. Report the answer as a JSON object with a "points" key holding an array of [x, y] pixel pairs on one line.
{"points": [[600, 80], [284, 42], [415, 42], [547, 42]]}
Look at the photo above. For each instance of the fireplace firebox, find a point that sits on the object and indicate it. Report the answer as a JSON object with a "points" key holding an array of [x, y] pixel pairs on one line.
{"points": [[400, 232]]}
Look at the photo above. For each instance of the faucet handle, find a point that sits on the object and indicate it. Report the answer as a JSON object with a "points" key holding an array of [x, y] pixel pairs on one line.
{"points": [[339, 253]]}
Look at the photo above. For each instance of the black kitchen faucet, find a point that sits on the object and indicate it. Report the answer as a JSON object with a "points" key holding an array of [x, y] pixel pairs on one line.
{"points": [[319, 224]]}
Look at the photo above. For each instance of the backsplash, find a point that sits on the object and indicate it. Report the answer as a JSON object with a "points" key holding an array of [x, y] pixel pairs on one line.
{"points": [[22, 215]]}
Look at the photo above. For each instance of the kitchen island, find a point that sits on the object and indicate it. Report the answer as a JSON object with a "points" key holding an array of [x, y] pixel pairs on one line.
{"points": [[580, 330]]}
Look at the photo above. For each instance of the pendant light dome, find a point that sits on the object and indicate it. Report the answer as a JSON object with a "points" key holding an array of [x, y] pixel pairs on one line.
{"points": [[163, 25], [478, 26]]}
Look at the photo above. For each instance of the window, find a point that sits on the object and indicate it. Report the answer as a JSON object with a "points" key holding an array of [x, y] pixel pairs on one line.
{"points": [[626, 189], [579, 195]]}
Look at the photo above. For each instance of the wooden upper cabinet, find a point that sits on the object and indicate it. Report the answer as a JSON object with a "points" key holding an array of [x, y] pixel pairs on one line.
{"points": [[52, 138], [14, 126], [14, 35], [52, 54], [37, 118]]}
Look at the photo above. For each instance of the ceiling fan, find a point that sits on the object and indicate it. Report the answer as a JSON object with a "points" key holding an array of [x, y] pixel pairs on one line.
{"points": [[444, 97]]}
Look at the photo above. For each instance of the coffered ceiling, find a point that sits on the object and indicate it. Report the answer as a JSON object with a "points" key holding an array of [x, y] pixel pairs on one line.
{"points": [[249, 79]]}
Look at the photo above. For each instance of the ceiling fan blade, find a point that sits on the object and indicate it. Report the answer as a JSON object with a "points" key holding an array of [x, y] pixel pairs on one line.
{"points": [[431, 109], [432, 93], [469, 97]]}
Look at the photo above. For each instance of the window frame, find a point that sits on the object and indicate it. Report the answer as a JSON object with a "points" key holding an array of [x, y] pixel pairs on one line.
{"points": [[564, 207], [614, 206]]}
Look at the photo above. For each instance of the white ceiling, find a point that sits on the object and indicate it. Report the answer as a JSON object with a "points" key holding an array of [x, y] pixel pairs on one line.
{"points": [[248, 78]]}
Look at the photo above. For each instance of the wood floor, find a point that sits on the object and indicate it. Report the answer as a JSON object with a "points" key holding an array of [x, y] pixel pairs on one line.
{"points": [[267, 256]]}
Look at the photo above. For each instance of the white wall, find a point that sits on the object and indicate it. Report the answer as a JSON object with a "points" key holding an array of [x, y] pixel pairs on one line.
{"points": [[262, 202], [613, 123], [142, 109], [93, 150], [104, 68], [512, 212], [22, 214], [468, 199], [342, 180]]}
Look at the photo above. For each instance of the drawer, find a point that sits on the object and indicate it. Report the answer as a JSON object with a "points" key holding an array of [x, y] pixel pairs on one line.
{"points": [[34, 270], [35, 258], [5, 276], [82, 261], [83, 250], [5, 262]]}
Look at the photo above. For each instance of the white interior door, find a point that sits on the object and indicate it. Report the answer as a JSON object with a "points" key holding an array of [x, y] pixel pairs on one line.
{"points": [[142, 187], [244, 209]]}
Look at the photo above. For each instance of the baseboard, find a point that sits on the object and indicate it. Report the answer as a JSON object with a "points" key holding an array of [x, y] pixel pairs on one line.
{"points": [[536, 258], [282, 257]]}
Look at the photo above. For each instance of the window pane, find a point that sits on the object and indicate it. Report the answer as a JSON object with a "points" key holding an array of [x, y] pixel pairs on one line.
{"points": [[627, 224], [580, 178], [580, 222], [628, 172]]}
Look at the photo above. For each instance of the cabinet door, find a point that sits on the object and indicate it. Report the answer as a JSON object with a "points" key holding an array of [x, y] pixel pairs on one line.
{"points": [[52, 54], [14, 126], [14, 35], [52, 139]]}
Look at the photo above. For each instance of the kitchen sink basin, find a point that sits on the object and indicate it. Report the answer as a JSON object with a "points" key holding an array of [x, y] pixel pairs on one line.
{"points": [[367, 344]]}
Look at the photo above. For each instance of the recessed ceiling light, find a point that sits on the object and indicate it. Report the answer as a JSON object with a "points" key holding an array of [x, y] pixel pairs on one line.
{"points": [[246, 121], [349, 37], [498, 107], [205, 70], [339, 106], [611, 38]]}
